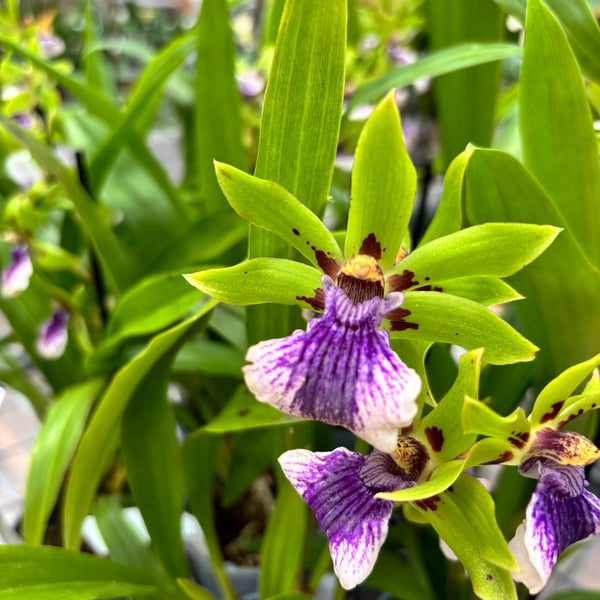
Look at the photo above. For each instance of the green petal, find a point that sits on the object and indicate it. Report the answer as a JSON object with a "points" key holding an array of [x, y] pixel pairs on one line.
{"points": [[553, 397], [483, 290], [439, 317], [383, 187], [270, 206], [492, 249], [259, 281]]}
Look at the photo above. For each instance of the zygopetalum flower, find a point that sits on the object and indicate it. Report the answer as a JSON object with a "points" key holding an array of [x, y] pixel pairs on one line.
{"points": [[341, 370], [15, 278], [561, 511], [53, 337], [340, 488]]}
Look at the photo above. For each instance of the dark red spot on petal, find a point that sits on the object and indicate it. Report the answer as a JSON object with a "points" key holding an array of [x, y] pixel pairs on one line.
{"points": [[328, 265], [243, 412], [501, 459], [371, 247], [295, 232], [429, 288], [398, 321], [489, 577], [428, 503], [435, 437], [404, 281], [317, 302], [553, 413], [520, 439]]}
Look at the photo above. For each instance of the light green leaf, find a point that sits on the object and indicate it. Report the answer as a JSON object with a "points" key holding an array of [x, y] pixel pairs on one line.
{"points": [[282, 546], [448, 215], [101, 438], [210, 357], [49, 573], [244, 412], [199, 460], [483, 290], [270, 206], [454, 320], [259, 280], [217, 118], [141, 107], [492, 249], [123, 540], [153, 462], [559, 144], [465, 100], [551, 399], [193, 591], [52, 451], [299, 128], [561, 313], [383, 187], [441, 429], [441, 479], [464, 519], [437, 63], [479, 418]]}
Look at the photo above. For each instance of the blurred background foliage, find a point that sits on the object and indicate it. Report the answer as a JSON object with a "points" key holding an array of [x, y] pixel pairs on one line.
{"points": [[111, 115]]}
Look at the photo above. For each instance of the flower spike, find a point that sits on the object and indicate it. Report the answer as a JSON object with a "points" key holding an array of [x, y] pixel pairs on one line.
{"points": [[341, 370]]}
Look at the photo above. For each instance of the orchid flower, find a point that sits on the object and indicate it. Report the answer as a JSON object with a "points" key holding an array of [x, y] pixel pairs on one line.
{"points": [[53, 337], [342, 370], [15, 278], [561, 511], [340, 488]]}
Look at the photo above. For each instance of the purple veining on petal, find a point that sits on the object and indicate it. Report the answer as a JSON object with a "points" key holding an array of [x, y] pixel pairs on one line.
{"points": [[340, 371], [560, 513], [53, 337], [339, 487], [15, 278]]}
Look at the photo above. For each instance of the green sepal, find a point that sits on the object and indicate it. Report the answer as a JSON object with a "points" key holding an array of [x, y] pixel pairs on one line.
{"points": [[259, 281], [441, 429], [441, 479], [575, 407], [492, 249], [441, 317], [413, 354], [483, 290], [464, 519], [269, 205], [491, 451], [480, 418], [383, 187], [551, 399]]}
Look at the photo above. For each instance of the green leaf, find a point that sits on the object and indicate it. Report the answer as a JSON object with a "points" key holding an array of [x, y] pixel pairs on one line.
{"points": [[244, 412], [123, 540], [448, 216], [483, 290], [106, 246], [479, 418], [436, 63], [465, 100], [299, 127], [153, 462], [51, 454], [49, 573], [443, 318], [413, 354], [270, 206], [578, 22], [559, 144], [554, 395], [441, 429], [217, 120], [464, 519], [101, 438], [441, 479], [259, 280], [492, 249], [141, 107], [282, 546], [193, 591], [383, 187], [210, 357], [199, 458], [560, 314]]}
